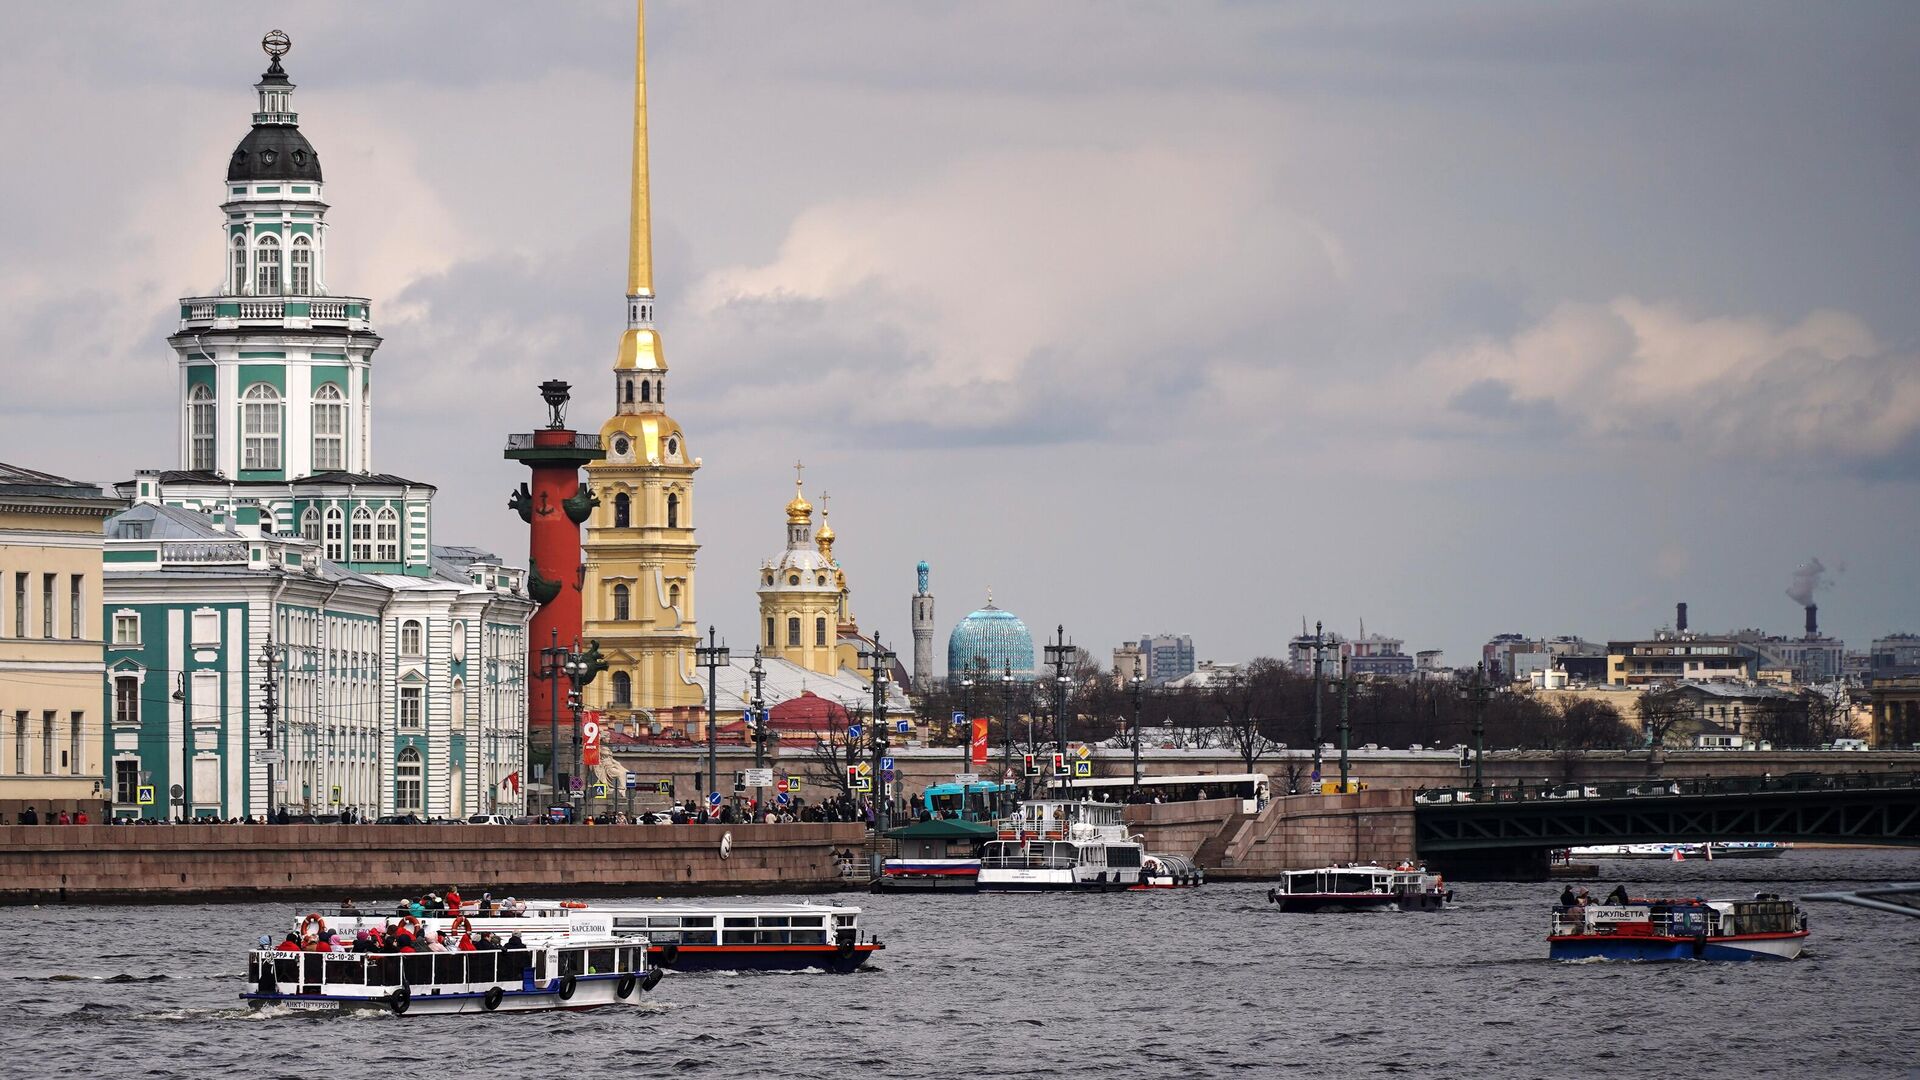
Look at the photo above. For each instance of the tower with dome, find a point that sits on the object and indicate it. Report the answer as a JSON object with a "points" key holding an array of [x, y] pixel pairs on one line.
{"points": [[992, 640]]}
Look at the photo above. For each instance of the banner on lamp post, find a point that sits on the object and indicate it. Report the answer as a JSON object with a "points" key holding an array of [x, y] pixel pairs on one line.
{"points": [[979, 756], [590, 738]]}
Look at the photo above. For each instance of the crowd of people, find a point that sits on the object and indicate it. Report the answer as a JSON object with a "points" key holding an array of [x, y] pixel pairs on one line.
{"points": [[1569, 899], [404, 930]]}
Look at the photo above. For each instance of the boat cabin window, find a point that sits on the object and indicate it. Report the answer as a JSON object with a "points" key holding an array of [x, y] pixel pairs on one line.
{"points": [[572, 962], [1123, 856], [600, 961]]}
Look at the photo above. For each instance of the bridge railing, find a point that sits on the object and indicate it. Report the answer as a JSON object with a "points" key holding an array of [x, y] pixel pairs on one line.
{"points": [[1549, 791]]}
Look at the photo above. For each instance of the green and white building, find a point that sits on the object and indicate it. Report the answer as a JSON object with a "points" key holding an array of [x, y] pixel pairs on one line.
{"points": [[274, 555]]}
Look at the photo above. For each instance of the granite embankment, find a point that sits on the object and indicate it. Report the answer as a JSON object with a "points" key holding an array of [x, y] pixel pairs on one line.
{"points": [[174, 863]]}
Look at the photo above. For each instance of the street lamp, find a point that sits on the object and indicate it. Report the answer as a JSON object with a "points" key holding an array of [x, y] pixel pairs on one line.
{"points": [[879, 661], [1345, 681], [553, 659], [1060, 654], [576, 669], [966, 735], [1480, 692], [1319, 647], [713, 656], [759, 706], [1139, 684], [1006, 724]]}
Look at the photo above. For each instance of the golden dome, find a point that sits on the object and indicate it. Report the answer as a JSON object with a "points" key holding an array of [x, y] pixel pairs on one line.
{"points": [[799, 511]]}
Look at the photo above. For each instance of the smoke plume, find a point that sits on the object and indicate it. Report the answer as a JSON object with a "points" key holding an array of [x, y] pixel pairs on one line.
{"points": [[1811, 575]]}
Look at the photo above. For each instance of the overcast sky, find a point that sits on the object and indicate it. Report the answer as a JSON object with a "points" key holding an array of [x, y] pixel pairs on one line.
{"points": [[1455, 318]]}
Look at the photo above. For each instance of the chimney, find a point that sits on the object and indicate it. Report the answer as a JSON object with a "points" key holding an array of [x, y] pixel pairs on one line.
{"points": [[1680, 617], [1813, 620]]}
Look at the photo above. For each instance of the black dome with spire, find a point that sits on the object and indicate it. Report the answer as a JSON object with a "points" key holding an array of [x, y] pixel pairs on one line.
{"points": [[274, 151]]}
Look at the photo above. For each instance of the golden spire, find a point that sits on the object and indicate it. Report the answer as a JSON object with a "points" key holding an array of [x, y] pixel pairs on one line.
{"points": [[825, 535], [640, 346], [640, 243], [799, 511]]}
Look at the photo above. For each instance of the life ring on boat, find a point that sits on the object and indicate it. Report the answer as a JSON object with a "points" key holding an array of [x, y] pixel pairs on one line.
{"points": [[492, 998], [567, 987], [312, 918], [627, 983], [400, 1001], [652, 980], [460, 925], [573, 903], [419, 928], [669, 954]]}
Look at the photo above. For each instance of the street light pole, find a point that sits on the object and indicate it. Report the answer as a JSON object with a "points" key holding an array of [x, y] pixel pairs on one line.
{"points": [[1319, 648], [966, 734], [759, 675], [879, 661], [713, 656], [1139, 684], [1006, 723], [1345, 680], [1480, 692], [575, 667], [1059, 654], [552, 661], [270, 704]]}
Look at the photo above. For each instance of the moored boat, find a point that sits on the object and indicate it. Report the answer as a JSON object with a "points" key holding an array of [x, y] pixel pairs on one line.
{"points": [[587, 969], [1061, 844], [1717, 849], [1360, 887], [1763, 928], [937, 855]]}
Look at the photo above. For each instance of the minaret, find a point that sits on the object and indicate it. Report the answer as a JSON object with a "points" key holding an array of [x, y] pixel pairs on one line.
{"points": [[922, 633], [638, 592]]}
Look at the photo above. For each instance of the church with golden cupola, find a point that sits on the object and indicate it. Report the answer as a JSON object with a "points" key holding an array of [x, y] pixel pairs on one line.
{"points": [[804, 616], [637, 577]]}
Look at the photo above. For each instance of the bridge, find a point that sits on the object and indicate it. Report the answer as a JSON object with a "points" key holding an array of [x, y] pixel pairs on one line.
{"points": [[1508, 832]]}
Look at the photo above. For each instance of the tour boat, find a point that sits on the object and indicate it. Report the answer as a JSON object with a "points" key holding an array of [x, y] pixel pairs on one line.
{"points": [[1360, 887], [588, 968], [1052, 844], [1763, 928], [1716, 849], [762, 937], [1160, 871], [936, 855]]}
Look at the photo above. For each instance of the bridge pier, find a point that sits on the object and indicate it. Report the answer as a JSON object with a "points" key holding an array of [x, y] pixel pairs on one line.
{"points": [[1492, 864]]}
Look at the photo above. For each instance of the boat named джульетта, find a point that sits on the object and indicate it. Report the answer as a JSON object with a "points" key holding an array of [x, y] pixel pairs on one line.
{"points": [[588, 968], [1763, 928]]}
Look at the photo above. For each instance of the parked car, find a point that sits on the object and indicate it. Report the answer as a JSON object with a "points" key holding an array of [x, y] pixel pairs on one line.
{"points": [[400, 819], [1572, 791], [487, 819], [1655, 787], [1442, 795]]}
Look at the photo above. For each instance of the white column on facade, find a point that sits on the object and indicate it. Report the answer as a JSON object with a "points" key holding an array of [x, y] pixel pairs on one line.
{"points": [[234, 763], [177, 725]]}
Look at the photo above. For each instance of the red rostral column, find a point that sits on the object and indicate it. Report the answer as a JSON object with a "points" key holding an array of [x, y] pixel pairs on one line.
{"points": [[555, 506]]}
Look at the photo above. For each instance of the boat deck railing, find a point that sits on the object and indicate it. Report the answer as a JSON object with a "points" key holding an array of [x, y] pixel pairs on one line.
{"points": [[335, 972], [1027, 862]]}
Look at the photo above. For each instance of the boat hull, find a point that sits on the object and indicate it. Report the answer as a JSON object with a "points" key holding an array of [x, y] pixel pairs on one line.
{"points": [[693, 958], [1615, 947], [1045, 881], [1307, 902], [589, 992]]}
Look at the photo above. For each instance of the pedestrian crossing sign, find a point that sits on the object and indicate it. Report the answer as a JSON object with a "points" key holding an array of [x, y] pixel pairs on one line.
{"points": [[144, 795], [1083, 769], [599, 791]]}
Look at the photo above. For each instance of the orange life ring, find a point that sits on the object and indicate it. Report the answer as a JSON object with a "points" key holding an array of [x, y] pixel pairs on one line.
{"points": [[572, 904], [460, 925], [312, 917], [419, 930]]}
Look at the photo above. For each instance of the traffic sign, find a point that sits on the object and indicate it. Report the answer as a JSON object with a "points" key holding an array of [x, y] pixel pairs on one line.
{"points": [[865, 768], [853, 731], [1085, 750], [966, 778], [1083, 769], [759, 777], [265, 756], [576, 783], [902, 726], [663, 787], [887, 775], [1009, 776], [886, 763], [713, 798], [599, 791], [781, 786], [782, 799], [793, 783], [633, 782], [144, 795]]}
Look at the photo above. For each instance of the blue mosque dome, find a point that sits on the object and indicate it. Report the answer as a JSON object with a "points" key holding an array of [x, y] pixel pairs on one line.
{"points": [[992, 640]]}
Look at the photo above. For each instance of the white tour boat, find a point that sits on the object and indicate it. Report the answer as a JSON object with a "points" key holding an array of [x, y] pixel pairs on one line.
{"points": [[1061, 844], [1716, 849], [588, 968], [730, 937], [1360, 887]]}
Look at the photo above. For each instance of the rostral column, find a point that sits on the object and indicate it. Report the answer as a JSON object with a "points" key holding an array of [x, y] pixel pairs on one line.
{"points": [[554, 506]]}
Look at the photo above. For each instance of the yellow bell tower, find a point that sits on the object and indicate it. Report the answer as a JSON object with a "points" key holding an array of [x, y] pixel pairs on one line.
{"points": [[800, 596], [637, 592]]}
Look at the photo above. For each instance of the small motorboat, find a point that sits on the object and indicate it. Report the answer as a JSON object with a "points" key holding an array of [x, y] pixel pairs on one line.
{"points": [[1360, 887], [1763, 928]]}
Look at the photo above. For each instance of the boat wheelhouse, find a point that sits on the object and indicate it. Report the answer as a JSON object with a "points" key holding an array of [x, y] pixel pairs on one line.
{"points": [[763, 937], [1061, 844], [1763, 928], [934, 856], [1360, 887], [585, 970]]}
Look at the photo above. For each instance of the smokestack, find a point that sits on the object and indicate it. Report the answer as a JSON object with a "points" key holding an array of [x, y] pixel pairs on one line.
{"points": [[1813, 620], [1680, 617]]}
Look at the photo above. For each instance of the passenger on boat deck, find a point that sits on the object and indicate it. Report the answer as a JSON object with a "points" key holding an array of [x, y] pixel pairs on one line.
{"points": [[466, 944], [1618, 895], [292, 944], [514, 942], [363, 942], [1584, 898], [488, 942], [438, 944], [415, 908], [453, 899], [1567, 899], [347, 908], [266, 942]]}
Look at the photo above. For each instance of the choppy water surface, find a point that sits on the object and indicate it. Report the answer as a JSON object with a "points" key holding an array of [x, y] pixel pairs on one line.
{"points": [[1192, 984]]}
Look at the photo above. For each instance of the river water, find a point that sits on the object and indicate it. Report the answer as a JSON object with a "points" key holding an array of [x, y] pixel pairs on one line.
{"points": [[1176, 984]]}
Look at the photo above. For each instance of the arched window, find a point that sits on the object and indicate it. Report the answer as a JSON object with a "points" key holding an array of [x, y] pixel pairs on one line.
{"points": [[260, 427], [408, 784], [769, 631], [238, 285], [310, 524], [622, 511], [412, 638], [336, 533], [300, 275], [793, 631], [457, 704], [673, 596], [673, 511], [200, 420], [622, 688], [329, 428], [266, 267], [622, 604], [820, 632], [362, 535], [629, 386], [646, 391], [386, 535], [660, 393]]}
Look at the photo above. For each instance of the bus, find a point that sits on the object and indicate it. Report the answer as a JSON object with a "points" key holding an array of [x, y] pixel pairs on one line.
{"points": [[984, 801], [1252, 789]]}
